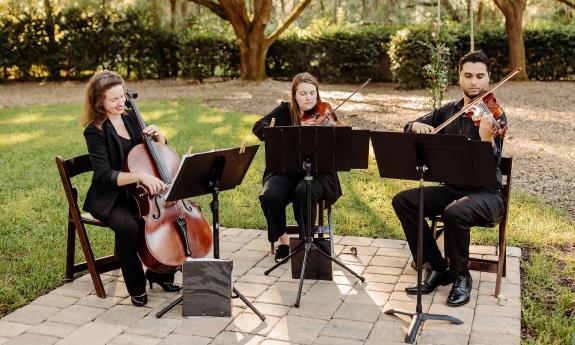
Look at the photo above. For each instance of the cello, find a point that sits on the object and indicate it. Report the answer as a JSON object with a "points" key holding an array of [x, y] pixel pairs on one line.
{"points": [[174, 230]]}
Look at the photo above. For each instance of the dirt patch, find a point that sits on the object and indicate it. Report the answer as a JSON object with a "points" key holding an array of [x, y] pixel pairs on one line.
{"points": [[540, 116]]}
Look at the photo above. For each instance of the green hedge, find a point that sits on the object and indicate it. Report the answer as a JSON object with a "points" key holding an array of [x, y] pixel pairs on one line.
{"points": [[340, 57], [132, 44], [549, 53]]}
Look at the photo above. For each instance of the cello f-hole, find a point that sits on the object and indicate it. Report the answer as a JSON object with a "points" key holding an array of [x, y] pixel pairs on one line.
{"points": [[157, 203], [189, 209]]}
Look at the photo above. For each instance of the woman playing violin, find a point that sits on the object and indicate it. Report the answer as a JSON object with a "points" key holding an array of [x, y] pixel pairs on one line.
{"points": [[110, 134], [281, 189], [460, 206]]}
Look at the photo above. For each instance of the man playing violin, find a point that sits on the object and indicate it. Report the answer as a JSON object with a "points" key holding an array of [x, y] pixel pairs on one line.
{"points": [[461, 207], [280, 189]]}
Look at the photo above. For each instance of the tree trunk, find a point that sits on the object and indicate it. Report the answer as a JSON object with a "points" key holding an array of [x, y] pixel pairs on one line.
{"points": [[513, 12], [335, 7], [253, 51], [250, 30], [52, 62], [364, 9], [184, 9], [173, 15], [480, 13], [514, 29]]}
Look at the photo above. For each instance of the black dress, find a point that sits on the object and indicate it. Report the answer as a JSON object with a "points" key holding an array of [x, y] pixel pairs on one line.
{"points": [[281, 189]]}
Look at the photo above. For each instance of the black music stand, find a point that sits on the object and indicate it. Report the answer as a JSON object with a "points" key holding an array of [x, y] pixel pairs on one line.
{"points": [[210, 173], [315, 150], [449, 159]]}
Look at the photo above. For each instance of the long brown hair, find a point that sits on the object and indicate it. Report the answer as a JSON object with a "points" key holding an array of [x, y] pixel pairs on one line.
{"points": [[95, 93], [300, 78]]}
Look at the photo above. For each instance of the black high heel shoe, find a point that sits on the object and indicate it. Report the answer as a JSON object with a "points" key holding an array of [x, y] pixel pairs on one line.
{"points": [[139, 301], [282, 251], [167, 286]]}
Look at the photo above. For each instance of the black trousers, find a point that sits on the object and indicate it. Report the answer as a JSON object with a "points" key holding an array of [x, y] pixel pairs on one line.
{"points": [[460, 208], [129, 233], [281, 189]]}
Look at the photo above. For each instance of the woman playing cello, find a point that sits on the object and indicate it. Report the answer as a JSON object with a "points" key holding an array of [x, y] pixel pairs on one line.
{"points": [[280, 189], [110, 134]]}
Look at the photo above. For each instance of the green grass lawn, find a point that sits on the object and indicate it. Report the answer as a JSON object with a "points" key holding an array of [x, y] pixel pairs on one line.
{"points": [[33, 208]]}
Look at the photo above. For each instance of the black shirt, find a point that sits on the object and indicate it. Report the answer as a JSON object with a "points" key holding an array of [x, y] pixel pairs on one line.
{"points": [[282, 116]]}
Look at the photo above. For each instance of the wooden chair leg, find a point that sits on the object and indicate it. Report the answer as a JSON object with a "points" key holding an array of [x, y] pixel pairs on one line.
{"points": [[502, 262], [90, 262], [70, 251], [273, 249]]}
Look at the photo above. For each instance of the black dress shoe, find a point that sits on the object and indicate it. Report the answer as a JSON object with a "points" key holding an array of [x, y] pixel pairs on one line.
{"points": [[432, 280], [139, 301], [282, 251], [460, 291]]}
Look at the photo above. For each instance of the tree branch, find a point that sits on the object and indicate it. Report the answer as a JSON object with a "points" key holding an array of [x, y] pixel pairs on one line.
{"points": [[568, 3], [212, 6], [297, 10]]}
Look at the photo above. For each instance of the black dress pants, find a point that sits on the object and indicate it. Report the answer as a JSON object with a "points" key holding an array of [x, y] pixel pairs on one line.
{"points": [[129, 232], [281, 189], [460, 208]]}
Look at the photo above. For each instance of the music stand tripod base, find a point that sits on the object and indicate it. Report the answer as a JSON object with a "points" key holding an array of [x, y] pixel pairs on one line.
{"points": [[419, 317], [205, 173], [308, 244]]}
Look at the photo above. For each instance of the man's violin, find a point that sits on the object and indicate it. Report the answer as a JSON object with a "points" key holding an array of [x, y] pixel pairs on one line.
{"points": [[485, 104]]}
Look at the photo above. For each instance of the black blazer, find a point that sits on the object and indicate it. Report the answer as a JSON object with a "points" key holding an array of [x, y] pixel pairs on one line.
{"points": [[107, 160], [281, 113]]}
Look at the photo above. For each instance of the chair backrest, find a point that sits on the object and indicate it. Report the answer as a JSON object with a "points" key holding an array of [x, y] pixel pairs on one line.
{"points": [[68, 169]]}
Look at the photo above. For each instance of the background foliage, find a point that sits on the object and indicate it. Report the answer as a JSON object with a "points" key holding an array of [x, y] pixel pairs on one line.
{"points": [[337, 41]]}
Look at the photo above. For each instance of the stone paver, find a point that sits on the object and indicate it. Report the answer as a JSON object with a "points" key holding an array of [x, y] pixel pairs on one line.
{"points": [[297, 329], [318, 310], [126, 315], [348, 329], [53, 329], [93, 333], [357, 312], [32, 314], [132, 339], [77, 315], [184, 339], [12, 329], [32, 339], [343, 311]]}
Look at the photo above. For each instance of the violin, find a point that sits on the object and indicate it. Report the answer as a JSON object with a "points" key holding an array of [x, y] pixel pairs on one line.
{"points": [[490, 109], [482, 105], [176, 230], [323, 114]]}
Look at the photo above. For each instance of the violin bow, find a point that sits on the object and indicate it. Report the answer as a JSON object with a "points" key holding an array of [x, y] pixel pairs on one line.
{"points": [[475, 101], [353, 93]]}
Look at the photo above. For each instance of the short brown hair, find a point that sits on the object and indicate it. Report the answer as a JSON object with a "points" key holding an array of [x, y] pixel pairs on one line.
{"points": [[95, 90], [475, 56], [301, 78]]}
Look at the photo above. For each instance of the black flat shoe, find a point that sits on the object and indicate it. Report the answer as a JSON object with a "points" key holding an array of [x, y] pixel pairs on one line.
{"points": [[139, 301], [153, 277], [460, 293], [432, 280], [282, 251]]}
